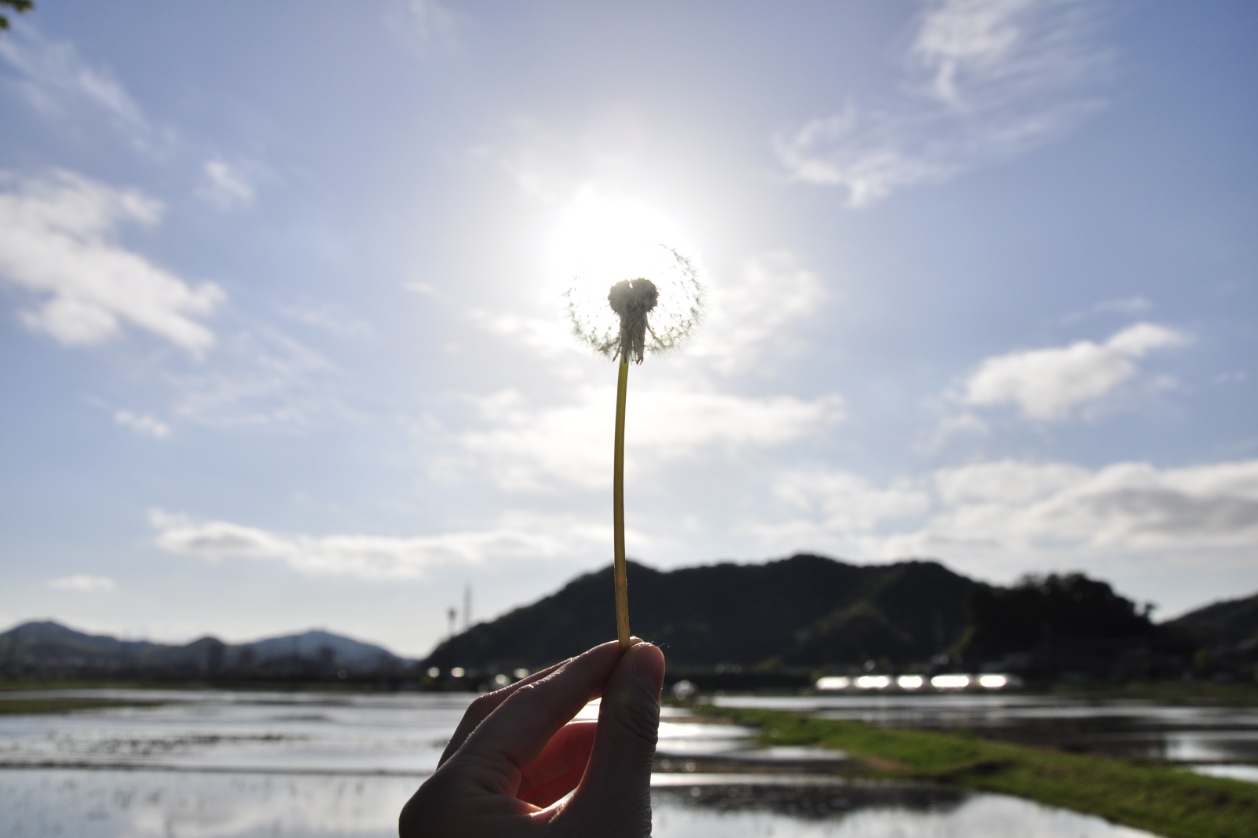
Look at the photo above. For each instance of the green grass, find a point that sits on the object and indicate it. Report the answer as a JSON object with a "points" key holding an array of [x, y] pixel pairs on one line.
{"points": [[1241, 694], [32, 706], [1161, 799]]}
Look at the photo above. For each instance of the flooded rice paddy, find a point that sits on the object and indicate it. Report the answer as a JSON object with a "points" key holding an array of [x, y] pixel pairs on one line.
{"points": [[215, 764], [1222, 741]]}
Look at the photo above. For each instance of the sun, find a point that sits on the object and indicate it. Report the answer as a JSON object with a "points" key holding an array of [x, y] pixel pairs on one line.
{"points": [[601, 241], [603, 237]]}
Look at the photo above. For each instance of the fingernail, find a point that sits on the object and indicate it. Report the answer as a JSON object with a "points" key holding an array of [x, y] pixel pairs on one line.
{"points": [[648, 667]]}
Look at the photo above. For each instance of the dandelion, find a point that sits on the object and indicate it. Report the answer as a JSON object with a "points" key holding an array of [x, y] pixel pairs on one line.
{"points": [[644, 300], [665, 324]]}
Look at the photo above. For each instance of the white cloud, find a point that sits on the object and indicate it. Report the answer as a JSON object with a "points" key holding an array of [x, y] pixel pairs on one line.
{"points": [[757, 310], [225, 186], [371, 556], [1125, 505], [949, 427], [56, 80], [142, 424], [520, 448], [58, 239], [986, 80], [1049, 383], [82, 584], [847, 502], [1011, 507]]}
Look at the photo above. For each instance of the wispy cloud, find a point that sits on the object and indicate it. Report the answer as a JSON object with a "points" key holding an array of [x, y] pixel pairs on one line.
{"points": [[516, 444], [427, 22], [950, 426], [548, 337], [142, 424], [1127, 305], [1015, 506], [57, 81], [751, 315], [58, 239], [371, 556], [1050, 383], [985, 80], [326, 317], [225, 186], [261, 378], [533, 159], [688, 412], [759, 311], [82, 584], [846, 502]]}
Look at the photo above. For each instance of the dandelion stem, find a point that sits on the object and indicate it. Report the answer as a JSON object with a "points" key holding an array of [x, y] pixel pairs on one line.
{"points": [[618, 510]]}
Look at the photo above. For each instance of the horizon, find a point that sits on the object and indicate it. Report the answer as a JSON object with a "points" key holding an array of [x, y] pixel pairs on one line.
{"points": [[422, 656], [281, 321]]}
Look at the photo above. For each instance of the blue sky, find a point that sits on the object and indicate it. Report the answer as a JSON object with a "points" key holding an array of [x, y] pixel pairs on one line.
{"points": [[281, 333]]}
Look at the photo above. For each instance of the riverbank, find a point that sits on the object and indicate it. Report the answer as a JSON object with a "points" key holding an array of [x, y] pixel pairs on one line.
{"points": [[1166, 800]]}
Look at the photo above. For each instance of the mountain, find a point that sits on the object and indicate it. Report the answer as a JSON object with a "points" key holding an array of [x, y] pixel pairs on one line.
{"points": [[1224, 623], [725, 623], [732, 626], [316, 645], [47, 647], [1223, 637], [805, 611]]}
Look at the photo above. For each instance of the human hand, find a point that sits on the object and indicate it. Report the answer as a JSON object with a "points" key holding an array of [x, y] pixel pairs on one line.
{"points": [[516, 753]]}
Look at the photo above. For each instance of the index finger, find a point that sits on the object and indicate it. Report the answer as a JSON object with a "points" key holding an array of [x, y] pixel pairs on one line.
{"points": [[513, 735], [483, 706]]}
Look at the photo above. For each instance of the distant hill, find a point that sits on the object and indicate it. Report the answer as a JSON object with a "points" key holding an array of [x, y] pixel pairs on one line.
{"points": [[1232, 622], [731, 626], [318, 644], [808, 613], [805, 611], [47, 647]]}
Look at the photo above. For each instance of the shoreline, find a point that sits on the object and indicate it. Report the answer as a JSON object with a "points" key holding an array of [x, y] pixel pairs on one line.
{"points": [[1156, 797]]}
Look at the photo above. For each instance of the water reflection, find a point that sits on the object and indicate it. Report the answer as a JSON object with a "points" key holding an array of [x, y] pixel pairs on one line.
{"points": [[211, 764], [222, 731], [867, 812], [178, 804], [113, 804]]}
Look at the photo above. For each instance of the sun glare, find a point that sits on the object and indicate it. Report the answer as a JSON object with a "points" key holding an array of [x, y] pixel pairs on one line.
{"points": [[605, 237], [599, 242]]}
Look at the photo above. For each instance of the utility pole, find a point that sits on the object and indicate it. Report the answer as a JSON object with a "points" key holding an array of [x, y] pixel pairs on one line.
{"points": [[452, 616], [467, 606]]}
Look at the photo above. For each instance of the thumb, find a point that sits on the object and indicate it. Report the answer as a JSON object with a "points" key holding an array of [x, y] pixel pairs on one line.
{"points": [[615, 793]]}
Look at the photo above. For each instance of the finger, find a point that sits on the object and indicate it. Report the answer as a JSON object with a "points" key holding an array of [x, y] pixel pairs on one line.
{"points": [[514, 734], [484, 705], [559, 767], [616, 788], [568, 748]]}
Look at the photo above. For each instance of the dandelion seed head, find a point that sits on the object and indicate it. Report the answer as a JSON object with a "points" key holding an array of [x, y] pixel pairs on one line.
{"points": [[649, 303], [632, 300]]}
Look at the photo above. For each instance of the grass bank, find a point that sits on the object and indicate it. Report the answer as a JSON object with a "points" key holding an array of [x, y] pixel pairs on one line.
{"points": [[1162, 799], [1165, 692]]}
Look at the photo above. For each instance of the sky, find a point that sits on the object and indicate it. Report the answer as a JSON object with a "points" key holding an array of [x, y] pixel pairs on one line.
{"points": [[282, 327]]}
